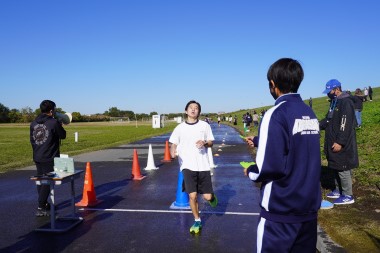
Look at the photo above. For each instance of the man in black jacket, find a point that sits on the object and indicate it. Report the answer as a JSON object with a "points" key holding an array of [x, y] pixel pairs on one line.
{"points": [[358, 106], [45, 135], [340, 141]]}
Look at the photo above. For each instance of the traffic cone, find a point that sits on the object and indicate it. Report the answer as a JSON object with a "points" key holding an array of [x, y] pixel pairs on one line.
{"points": [[136, 174], [167, 157], [182, 198], [150, 163], [89, 195]]}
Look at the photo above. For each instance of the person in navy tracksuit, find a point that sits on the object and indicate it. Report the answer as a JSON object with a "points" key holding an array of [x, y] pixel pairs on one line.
{"points": [[288, 165]]}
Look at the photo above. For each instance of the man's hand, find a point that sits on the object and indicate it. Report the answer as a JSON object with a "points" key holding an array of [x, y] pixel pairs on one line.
{"points": [[336, 147], [173, 151], [201, 143], [246, 165], [249, 140]]}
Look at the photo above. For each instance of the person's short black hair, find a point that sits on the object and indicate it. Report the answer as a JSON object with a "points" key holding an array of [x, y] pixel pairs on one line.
{"points": [[287, 74], [47, 106], [193, 102]]}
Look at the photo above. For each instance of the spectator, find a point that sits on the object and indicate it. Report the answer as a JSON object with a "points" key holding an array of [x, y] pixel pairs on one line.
{"points": [[365, 94], [358, 106], [311, 102], [255, 119], [248, 120], [340, 142], [370, 93]]}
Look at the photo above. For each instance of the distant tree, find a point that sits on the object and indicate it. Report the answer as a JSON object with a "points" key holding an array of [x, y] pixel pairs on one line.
{"points": [[15, 116], [77, 117], [27, 115], [129, 114], [59, 109], [37, 111], [113, 112], [142, 116], [174, 115], [4, 111], [153, 113]]}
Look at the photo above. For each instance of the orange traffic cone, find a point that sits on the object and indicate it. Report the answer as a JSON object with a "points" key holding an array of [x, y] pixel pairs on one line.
{"points": [[89, 195], [167, 157], [136, 174]]}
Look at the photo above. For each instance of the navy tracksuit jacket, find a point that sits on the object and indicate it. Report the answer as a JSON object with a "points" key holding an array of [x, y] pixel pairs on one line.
{"points": [[288, 162]]}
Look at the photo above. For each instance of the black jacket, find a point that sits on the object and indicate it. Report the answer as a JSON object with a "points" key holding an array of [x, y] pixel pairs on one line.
{"points": [[340, 125], [45, 135], [358, 103]]}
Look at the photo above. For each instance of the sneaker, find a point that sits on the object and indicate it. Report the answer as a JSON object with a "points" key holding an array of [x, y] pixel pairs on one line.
{"points": [[344, 200], [42, 212], [333, 195], [214, 201], [326, 204], [196, 228]]}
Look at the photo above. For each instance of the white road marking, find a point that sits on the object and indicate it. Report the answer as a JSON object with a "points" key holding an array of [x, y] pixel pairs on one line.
{"points": [[164, 211]]}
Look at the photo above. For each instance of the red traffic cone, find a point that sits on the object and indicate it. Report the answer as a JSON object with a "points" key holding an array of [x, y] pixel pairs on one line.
{"points": [[89, 195], [167, 157], [136, 174]]}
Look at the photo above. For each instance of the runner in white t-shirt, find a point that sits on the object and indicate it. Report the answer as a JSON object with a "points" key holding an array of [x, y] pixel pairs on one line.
{"points": [[189, 141]]}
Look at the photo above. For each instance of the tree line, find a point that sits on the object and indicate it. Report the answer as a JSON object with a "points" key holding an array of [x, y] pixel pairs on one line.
{"points": [[27, 114]]}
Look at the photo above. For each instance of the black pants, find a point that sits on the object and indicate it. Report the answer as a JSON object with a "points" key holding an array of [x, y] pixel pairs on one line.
{"points": [[43, 190]]}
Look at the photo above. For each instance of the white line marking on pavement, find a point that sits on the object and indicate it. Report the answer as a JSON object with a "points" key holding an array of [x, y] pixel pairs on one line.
{"points": [[163, 211]]}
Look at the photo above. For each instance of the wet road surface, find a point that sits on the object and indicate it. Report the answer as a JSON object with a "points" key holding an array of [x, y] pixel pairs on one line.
{"points": [[135, 216]]}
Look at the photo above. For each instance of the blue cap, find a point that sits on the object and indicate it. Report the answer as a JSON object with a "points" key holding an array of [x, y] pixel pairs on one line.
{"points": [[330, 85]]}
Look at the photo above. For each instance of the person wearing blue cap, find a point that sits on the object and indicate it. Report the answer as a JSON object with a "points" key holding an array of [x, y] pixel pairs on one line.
{"points": [[340, 141]]}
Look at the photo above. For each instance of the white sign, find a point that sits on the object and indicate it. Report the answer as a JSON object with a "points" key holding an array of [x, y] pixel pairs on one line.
{"points": [[156, 121]]}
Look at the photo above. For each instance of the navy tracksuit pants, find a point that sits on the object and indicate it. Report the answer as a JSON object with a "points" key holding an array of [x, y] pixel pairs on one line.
{"points": [[286, 237]]}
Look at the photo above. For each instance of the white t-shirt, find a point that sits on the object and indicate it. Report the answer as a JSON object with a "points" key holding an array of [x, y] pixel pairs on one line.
{"points": [[185, 136]]}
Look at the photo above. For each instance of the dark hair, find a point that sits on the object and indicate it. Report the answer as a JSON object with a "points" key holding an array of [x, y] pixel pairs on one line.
{"points": [[287, 74], [47, 106], [193, 102]]}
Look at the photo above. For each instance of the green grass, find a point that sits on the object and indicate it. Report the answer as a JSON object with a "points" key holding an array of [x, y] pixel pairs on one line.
{"points": [[356, 227], [17, 151]]}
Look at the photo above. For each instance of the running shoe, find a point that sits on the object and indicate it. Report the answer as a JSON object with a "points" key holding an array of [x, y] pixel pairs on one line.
{"points": [[42, 212], [196, 228], [333, 195], [344, 200], [326, 204], [214, 201]]}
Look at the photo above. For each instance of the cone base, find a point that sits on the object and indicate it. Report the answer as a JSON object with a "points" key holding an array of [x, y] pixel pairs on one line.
{"points": [[141, 177], [183, 206], [84, 204], [153, 168]]}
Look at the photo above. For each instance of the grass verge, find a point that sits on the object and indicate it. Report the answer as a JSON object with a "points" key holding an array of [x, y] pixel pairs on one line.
{"points": [[17, 151]]}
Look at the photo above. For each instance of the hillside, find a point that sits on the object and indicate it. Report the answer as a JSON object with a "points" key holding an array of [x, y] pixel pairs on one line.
{"points": [[356, 227]]}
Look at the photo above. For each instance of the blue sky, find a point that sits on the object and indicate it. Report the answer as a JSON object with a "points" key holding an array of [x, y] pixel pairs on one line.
{"points": [[146, 56]]}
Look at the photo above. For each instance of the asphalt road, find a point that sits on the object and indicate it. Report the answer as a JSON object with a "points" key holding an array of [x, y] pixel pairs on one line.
{"points": [[135, 216]]}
